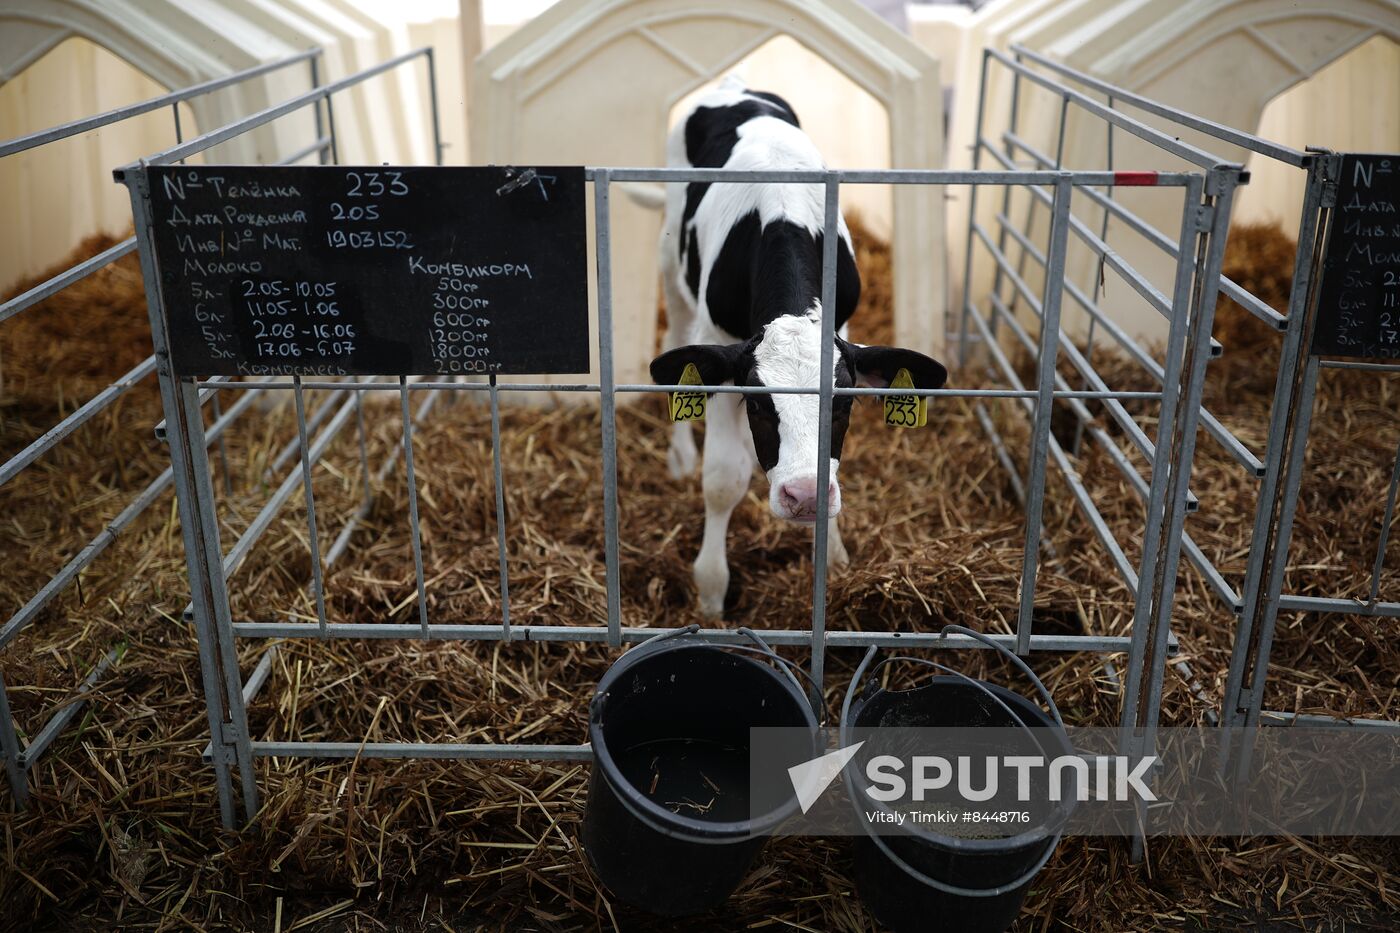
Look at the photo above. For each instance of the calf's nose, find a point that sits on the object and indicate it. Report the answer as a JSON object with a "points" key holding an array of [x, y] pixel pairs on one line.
{"points": [[799, 496]]}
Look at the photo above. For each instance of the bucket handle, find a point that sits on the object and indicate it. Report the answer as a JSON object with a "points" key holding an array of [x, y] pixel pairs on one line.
{"points": [[858, 686], [846, 705], [845, 733], [1015, 659], [884, 847], [762, 649], [788, 666]]}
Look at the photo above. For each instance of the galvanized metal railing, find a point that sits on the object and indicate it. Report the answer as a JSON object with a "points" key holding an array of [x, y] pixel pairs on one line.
{"points": [[1188, 310], [1258, 597], [1197, 252], [20, 758]]}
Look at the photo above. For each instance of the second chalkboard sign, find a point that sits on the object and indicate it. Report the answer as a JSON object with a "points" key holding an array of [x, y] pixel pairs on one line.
{"points": [[1359, 298], [329, 270]]}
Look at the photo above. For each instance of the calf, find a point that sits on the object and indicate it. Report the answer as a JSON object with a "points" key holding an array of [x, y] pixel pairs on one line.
{"points": [[741, 266]]}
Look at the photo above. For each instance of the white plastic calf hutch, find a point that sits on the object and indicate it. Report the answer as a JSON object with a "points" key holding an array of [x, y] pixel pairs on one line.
{"points": [[595, 81], [1221, 61], [559, 51]]}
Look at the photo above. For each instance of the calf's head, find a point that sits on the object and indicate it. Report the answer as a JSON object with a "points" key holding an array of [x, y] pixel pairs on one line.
{"points": [[787, 352]]}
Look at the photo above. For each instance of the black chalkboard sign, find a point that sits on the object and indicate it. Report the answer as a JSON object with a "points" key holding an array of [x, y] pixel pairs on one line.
{"points": [[331, 270], [1359, 299]]}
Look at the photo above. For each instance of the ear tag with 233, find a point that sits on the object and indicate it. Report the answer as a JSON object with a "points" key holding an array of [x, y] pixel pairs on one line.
{"points": [[688, 406], [905, 411]]}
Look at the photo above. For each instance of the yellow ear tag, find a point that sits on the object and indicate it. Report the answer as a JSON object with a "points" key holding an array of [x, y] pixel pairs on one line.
{"points": [[688, 406], [905, 411]]}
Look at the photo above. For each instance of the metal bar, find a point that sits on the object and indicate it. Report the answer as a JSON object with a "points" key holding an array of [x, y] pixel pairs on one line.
{"points": [[1274, 718], [250, 688], [422, 750], [362, 437], [414, 527], [60, 720], [260, 523], [253, 121], [1214, 579], [293, 446], [10, 750], [83, 559], [1111, 259], [316, 111], [896, 176], [1386, 521], [1030, 205], [1049, 353], [647, 388], [260, 674], [1176, 147], [1003, 455], [313, 537], [80, 416], [188, 462], [255, 682], [831, 214], [217, 413], [1076, 486], [1252, 693], [1358, 365], [330, 125], [1133, 716], [433, 105], [500, 509], [1189, 342], [86, 124], [602, 218], [631, 635], [1120, 414], [1013, 120], [1282, 427], [1099, 277], [1219, 131], [1150, 233], [197, 488], [65, 278], [1227, 440], [1388, 610], [1206, 291], [342, 541], [972, 206]]}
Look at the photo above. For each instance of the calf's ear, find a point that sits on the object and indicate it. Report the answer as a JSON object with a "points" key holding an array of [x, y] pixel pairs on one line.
{"points": [[716, 363], [877, 366]]}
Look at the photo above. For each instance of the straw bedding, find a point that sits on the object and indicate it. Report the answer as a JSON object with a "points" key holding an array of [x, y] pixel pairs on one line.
{"points": [[124, 827]]}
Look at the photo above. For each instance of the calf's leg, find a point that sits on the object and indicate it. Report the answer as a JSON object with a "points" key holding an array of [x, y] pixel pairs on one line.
{"points": [[836, 555], [727, 468], [682, 454]]}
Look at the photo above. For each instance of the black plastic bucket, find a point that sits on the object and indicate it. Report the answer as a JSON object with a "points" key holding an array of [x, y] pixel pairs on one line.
{"points": [[669, 824], [916, 876]]}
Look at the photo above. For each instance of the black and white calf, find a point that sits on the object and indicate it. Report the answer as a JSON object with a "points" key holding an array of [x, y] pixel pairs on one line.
{"points": [[741, 266]]}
